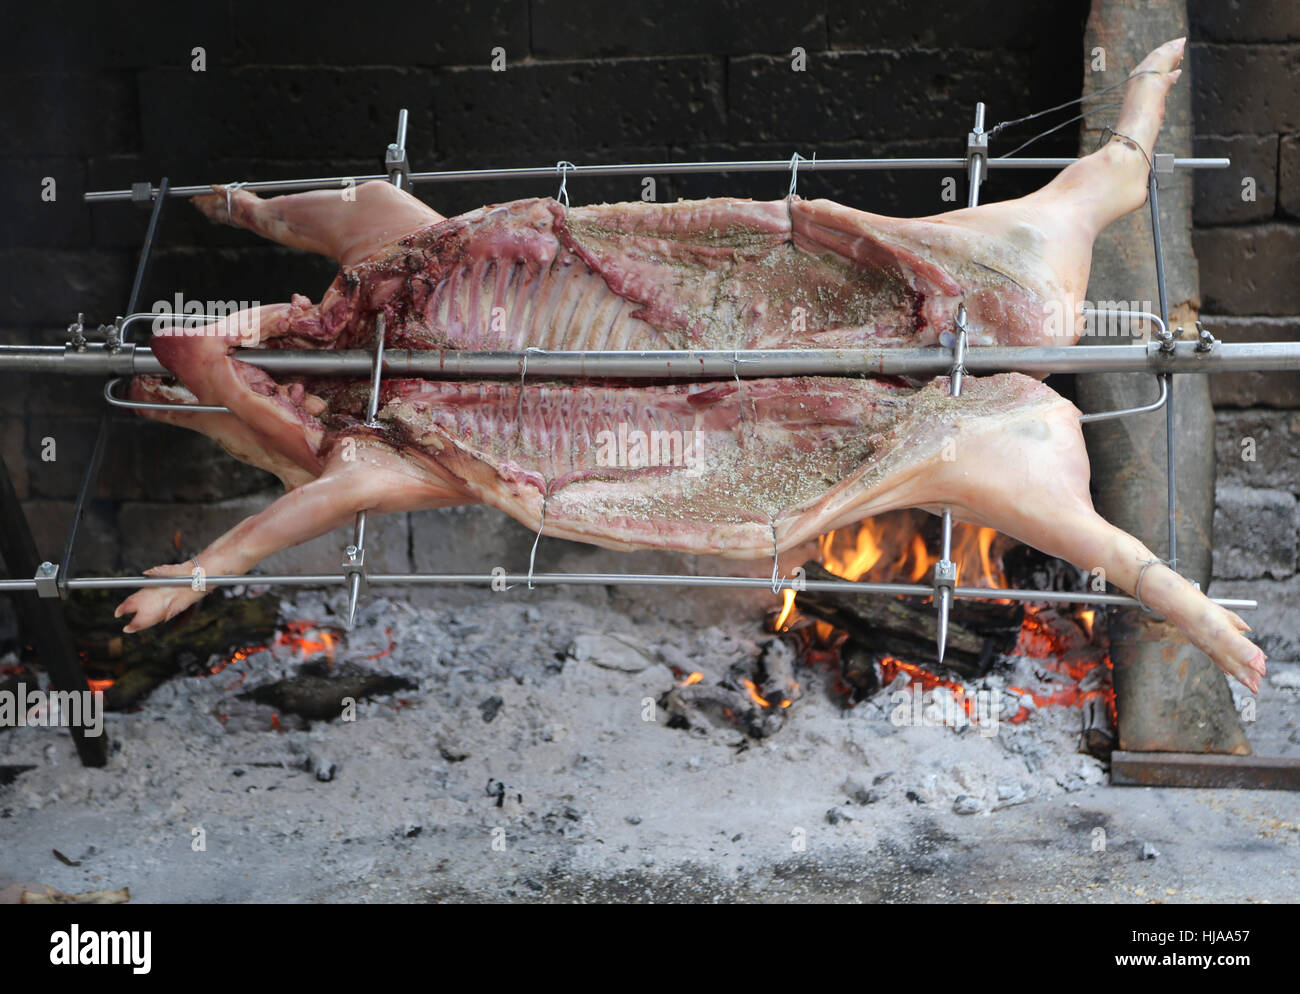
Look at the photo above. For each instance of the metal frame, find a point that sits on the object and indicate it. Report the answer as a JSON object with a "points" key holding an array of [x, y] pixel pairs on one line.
{"points": [[120, 357]]}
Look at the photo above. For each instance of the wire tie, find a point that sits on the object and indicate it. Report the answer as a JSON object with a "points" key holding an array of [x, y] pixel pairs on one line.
{"points": [[562, 167]]}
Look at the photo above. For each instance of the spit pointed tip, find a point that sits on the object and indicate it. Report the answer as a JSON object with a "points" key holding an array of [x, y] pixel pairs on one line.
{"points": [[354, 592], [943, 624]]}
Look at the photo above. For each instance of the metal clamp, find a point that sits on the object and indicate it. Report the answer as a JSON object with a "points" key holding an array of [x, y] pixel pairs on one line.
{"points": [[1162, 342], [1155, 405], [355, 566], [945, 570], [945, 575], [945, 583], [1164, 162], [959, 346], [47, 580], [395, 161]]}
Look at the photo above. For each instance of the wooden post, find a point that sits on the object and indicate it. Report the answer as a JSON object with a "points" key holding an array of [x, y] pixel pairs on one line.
{"points": [[1169, 696]]}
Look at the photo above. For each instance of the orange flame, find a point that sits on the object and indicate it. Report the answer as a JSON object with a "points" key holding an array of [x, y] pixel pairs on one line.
{"points": [[890, 547], [1086, 617], [786, 610]]}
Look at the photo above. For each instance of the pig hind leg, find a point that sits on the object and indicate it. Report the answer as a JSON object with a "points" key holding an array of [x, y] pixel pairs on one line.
{"points": [[1039, 495]]}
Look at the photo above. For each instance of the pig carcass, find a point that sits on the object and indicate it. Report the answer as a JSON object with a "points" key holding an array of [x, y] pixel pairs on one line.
{"points": [[737, 469]]}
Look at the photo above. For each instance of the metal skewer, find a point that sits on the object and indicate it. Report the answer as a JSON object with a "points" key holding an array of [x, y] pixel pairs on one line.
{"points": [[453, 364], [632, 169], [945, 570], [355, 563], [604, 579]]}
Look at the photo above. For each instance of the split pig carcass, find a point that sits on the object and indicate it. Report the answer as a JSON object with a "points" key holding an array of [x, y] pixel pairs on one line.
{"points": [[754, 467]]}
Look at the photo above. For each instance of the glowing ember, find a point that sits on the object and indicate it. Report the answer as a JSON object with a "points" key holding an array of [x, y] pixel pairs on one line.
{"points": [[299, 634], [891, 667], [388, 632], [99, 686], [754, 695], [238, 656], [693, 678]]}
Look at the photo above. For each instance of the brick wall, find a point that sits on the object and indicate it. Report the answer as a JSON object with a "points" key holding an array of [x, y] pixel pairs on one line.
{"points": [[1246, 64], [288, 91]]}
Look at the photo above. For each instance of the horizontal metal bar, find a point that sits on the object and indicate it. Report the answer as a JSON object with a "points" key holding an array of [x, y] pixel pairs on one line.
{"points": [[1234, 357], [602, 579], [640, 169]]}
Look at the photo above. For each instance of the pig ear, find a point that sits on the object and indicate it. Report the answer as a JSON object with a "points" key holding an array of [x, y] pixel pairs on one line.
{"points": [[824, 226]]}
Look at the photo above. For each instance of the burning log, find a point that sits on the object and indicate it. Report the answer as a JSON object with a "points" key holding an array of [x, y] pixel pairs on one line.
{"points": [[754, 695], [977, 631], [321, 698], [138, 665], [1098, 731]]}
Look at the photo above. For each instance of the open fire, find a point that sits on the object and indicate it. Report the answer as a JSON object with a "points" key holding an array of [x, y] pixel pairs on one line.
{"points": [[1026, 657], [1070, 668]]}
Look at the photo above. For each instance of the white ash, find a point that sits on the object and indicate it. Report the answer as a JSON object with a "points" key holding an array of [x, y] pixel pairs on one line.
{"points": [[576, 762]]}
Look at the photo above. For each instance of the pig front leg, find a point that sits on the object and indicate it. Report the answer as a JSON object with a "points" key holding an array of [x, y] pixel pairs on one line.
{"points": [[280, 419], [348, 224], [378, 479]]}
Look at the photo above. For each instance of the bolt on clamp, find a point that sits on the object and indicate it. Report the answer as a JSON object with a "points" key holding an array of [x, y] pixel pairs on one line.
{"points": [[1205, 341], [945, 574]]}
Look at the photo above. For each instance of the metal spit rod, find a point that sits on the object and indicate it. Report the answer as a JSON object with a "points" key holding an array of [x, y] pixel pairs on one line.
{"points": [[355, 562], [1166, 379], [945, 570], [1183, 357], [499, 579], [641, 169]]}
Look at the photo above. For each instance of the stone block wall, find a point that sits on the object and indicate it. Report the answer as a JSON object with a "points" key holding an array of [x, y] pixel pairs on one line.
{"points": [[1246, 65]]}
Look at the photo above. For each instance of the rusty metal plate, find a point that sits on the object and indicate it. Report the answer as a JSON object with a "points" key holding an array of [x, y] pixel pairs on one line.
{"points": [[1187, 769]]}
